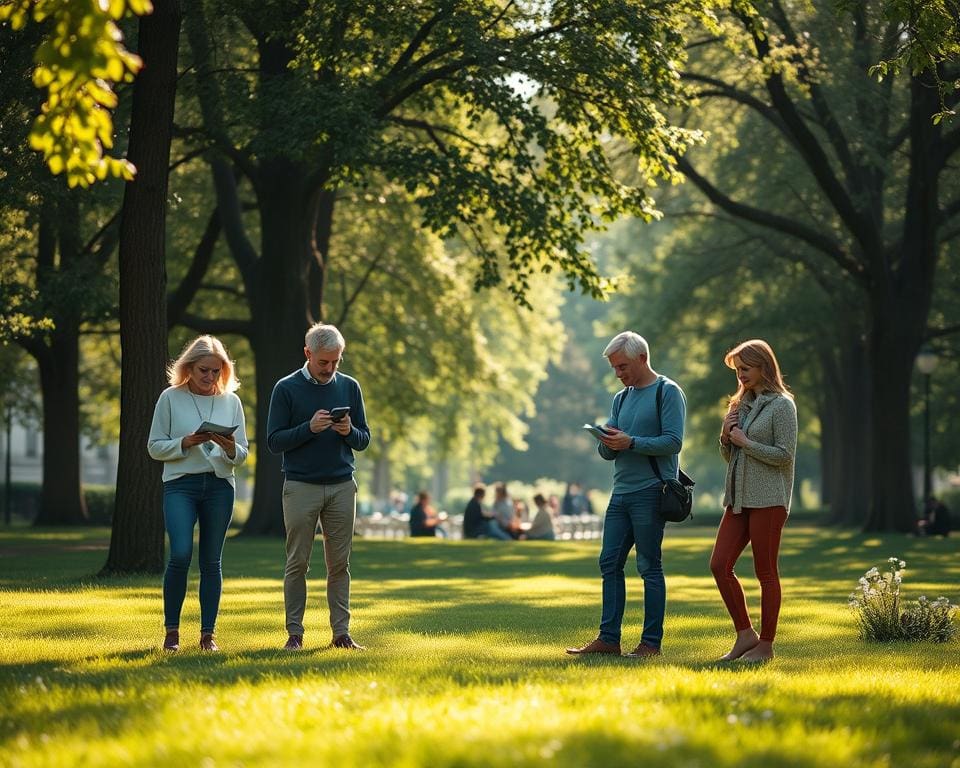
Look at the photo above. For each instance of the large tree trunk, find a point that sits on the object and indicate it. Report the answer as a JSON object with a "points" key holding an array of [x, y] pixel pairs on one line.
{"points": [[136, 543], [892, 355], [900, 306], [61, 500], [280, 315]]}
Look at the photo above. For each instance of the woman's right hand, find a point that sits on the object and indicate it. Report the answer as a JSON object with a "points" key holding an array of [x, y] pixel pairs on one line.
{"points": [[195, 439], [730, 421]]}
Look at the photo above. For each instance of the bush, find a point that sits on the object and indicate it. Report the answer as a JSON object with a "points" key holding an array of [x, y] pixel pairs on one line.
{"points": [[25, 502], [926, 620], [881, 617], [100, 503]]}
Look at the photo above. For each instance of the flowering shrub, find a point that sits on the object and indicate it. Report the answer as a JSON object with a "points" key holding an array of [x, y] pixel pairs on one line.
{"points": [[881, 616]]}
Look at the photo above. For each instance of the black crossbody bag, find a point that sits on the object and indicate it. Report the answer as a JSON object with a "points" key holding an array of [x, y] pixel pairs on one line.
{"points": [[676, 496]]}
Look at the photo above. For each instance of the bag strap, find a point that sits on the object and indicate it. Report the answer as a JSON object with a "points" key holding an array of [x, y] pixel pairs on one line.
{"points": [[653, 461]]}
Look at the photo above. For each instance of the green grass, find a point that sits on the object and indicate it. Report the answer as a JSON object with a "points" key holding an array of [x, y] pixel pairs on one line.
{"points": [[465, 665]]}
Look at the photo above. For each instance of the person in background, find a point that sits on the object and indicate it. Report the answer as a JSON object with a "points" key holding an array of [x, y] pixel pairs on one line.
{"points": [[318, 464], [758, 440], [198, 476], [575, 501], [936, 520], [542, 526], [504, 511], [477, 522], [424, 520]]}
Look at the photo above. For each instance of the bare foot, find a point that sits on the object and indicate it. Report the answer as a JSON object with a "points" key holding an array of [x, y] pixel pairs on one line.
{"points": [[762, 651], [746, 640]]}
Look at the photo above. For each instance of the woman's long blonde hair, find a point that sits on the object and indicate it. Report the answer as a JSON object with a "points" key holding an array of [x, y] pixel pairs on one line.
{"points": [[758, 354], [178, 372]]}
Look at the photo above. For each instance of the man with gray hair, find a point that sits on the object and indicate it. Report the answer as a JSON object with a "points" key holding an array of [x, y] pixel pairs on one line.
{"points": [[317, 421], [636, 437]]}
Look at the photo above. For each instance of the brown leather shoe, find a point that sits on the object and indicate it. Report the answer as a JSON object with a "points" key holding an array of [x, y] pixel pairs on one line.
{"points": [[207, 643], [172, 641], [596, 646], [643, 651], [294, 643], [345, 641]]}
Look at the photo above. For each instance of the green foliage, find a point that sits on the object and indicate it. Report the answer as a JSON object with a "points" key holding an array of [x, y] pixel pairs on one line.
{"points": [[928, 36], [77, 63], [464, 665], [497, 119], [18, 296], [882, 617]]}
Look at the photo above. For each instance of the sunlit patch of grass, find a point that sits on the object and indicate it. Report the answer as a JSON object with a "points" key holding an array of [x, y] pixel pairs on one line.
{"points": [[465, 663]]}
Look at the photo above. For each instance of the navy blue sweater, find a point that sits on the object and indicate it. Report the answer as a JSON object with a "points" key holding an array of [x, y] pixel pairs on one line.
{"points": [[322, 457]]}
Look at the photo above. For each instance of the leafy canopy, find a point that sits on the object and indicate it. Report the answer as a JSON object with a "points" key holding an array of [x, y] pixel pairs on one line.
{"points": [[77, 63]]}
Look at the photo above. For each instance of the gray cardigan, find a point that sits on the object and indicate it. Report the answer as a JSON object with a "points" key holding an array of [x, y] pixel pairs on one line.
{"points": [[761, 473]]}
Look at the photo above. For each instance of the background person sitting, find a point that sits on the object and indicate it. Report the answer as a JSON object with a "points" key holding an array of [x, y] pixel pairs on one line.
{"points": [[541, 529], [936, 520], [424, 520], [504, 511], [478, 522]]}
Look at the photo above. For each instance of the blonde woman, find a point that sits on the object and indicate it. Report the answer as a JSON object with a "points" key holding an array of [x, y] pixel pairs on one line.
{"points": [[758, 441], [198, 475]]}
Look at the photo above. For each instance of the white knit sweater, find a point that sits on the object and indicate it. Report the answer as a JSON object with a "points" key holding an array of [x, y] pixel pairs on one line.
{"points": [[177, 414]]}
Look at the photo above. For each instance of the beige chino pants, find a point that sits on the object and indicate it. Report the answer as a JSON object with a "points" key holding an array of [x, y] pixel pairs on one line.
{"points": [[335, 507]]}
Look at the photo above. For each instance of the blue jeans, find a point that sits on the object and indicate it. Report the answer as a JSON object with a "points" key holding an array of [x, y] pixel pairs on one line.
{"points": [[633, 519], [207, 499]]}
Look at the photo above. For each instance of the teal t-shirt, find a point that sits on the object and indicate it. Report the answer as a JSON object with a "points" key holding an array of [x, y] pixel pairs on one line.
{"points": [[634, 411]]}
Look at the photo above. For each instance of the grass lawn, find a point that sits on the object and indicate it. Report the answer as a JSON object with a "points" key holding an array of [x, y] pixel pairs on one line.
{"points": [[465, 662]]}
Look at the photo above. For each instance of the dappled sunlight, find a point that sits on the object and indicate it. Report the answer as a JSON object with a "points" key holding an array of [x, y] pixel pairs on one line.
{"points": [[466, 639]]}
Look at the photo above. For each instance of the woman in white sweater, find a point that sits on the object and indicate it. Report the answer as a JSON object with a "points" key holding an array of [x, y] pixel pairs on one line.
{"points": [[198, 475], [758, 441]]}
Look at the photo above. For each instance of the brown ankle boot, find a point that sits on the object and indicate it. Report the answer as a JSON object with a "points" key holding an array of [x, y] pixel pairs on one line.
{"points": [[172, 641], [207, 643]]}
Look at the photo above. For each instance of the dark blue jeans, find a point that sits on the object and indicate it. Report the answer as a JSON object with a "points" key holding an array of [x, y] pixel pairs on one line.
{"points": [[633, 519], [190, 499]]}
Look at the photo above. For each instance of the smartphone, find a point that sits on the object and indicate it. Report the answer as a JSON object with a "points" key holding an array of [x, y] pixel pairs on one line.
{"points": [[337, 414]]}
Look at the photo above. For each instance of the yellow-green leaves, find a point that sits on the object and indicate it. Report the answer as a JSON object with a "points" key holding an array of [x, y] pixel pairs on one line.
{"points": [[77, 64]]}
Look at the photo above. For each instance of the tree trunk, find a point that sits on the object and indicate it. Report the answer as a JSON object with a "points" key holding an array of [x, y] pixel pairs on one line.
{"points": [[891, 366], [900, 305], [279, 313], [61, 499], [136, 543], [382, 482]]}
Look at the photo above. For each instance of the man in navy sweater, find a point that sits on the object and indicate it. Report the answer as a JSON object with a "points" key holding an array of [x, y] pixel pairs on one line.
{"points": [[308, 425]]}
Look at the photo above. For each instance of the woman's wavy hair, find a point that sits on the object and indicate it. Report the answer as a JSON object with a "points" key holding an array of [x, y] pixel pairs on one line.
{"points": [[758, 354], [178, 372]]}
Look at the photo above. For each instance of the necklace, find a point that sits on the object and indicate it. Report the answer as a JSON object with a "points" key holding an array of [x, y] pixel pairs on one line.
{"points": [[197, 406]]}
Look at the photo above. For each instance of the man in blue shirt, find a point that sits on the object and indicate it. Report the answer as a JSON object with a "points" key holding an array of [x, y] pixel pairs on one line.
{"points": [[307, 424], [635, 434]]}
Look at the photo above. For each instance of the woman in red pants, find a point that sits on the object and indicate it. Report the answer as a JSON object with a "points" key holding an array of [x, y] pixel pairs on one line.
{"points": [[759, 442]]}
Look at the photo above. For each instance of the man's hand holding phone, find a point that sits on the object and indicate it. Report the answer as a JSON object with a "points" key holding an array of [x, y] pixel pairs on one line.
{"points": [[338, 418]]}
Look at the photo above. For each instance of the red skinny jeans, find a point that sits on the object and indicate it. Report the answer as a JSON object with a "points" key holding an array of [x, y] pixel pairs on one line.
{"points": [[761, 527]]}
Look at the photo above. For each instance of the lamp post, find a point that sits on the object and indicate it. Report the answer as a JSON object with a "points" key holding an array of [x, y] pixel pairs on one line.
{"points": [[926, 364]]}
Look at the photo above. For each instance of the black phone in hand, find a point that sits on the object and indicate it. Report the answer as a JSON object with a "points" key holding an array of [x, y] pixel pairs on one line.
{"points": [[337, 414]]}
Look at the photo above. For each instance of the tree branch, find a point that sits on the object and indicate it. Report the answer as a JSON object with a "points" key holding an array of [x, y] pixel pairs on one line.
{"points": [[818, 240], [816, 159], [216, 326], [179, 299]]}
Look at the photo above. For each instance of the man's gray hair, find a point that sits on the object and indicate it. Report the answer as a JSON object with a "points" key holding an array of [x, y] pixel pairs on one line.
{"points": [[323, 336], [631, 344]]}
